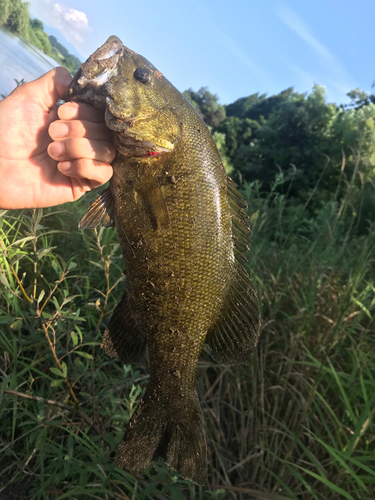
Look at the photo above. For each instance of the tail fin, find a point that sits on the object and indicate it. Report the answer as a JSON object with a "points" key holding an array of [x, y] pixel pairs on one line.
{"points": [[172, 430]]}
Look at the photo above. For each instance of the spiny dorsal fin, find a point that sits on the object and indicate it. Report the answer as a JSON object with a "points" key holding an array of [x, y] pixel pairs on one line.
{"points": [[100, 211]]}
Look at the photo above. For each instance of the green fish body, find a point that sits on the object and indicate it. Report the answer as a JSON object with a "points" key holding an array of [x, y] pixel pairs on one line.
{"points": [[182, 230]]}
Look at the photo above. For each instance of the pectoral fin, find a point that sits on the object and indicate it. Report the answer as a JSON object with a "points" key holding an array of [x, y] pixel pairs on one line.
{"points": [[101, 211], [151, 200]]}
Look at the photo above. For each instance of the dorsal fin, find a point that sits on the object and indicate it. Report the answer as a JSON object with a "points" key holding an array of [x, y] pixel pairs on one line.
{"points": [[101, 211], [235, 334], [240, 227]]}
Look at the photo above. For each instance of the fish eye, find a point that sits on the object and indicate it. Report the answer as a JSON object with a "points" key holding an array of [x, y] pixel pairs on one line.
{"points": [[142, 75]]}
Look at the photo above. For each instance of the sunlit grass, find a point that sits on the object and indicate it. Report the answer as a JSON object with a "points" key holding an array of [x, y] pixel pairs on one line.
{"points": [[297, 422]]}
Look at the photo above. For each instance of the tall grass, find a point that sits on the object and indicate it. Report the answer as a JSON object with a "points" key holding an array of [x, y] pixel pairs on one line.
{"points": [[294, 423], [298, 419]]}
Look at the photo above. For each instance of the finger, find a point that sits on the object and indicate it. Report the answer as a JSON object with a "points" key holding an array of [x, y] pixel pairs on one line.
{"points": [[80, 111], [81, 186], [72, 149], [79, 129], [96, 172], [49, 88]]}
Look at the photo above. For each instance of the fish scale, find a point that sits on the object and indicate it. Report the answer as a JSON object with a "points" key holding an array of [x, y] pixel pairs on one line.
{"points": [[182, 231]]}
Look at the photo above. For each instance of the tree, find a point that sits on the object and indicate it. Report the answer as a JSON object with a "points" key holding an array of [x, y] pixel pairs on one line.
{"points": [[207, 105], [241, 107], [256, 106], [237, 132], [219, 139], [305, 139], [18, 19], [289, 132], [5, 10], [76, 62], [58, 46], [40, 39], [36, 24]]}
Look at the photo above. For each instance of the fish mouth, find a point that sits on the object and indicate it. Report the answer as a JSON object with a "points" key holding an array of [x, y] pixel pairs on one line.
{"points": [[92, 85], [98, 70], [95, 72], [130, 145]]}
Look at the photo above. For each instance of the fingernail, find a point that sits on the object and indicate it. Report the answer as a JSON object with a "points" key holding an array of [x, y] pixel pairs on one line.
{"points": [[58, 129], [55, 149]]}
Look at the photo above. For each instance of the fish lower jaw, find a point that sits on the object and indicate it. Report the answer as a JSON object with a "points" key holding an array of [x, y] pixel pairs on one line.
{"points": [[154, 152], [152, 147], [150, 154], [130, 145]]}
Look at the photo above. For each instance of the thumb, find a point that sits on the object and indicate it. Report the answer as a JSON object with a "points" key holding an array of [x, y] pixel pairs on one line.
{"points": [[49, 88]]}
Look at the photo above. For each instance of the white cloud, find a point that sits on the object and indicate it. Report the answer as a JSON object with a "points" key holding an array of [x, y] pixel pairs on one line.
{"points": [[336, 90], [72, 23], [238, 52], [295, 23], [230, 44], [330, 72]]}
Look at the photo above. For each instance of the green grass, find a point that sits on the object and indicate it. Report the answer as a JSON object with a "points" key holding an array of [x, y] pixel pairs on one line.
{"points": [[297, 422]]}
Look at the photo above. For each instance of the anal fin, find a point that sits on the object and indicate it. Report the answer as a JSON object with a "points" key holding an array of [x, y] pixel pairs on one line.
{"points": [[123, 340]]}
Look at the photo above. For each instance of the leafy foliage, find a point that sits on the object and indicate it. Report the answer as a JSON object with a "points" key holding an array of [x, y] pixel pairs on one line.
{"points": [[360, 98], [36, 24], [320, 146], [18, 17], [207, 105], [60, 51], [296, 423]]}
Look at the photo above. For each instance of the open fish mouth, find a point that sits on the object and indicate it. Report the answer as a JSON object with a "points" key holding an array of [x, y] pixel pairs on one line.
{"points": [[95, 72], [99, 80], [102, 66]]}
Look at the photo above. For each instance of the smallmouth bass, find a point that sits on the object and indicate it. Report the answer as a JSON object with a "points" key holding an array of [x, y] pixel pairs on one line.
{"points": [[183, 231]]}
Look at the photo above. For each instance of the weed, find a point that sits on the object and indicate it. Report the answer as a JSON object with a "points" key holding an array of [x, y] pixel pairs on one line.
{"points": [[297, 422]]}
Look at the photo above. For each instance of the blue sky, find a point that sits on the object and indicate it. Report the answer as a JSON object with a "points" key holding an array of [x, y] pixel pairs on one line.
{"points": [[235, 47]]}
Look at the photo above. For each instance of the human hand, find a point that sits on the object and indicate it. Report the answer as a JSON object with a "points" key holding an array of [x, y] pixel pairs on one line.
{"points": [[45, 161]]}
